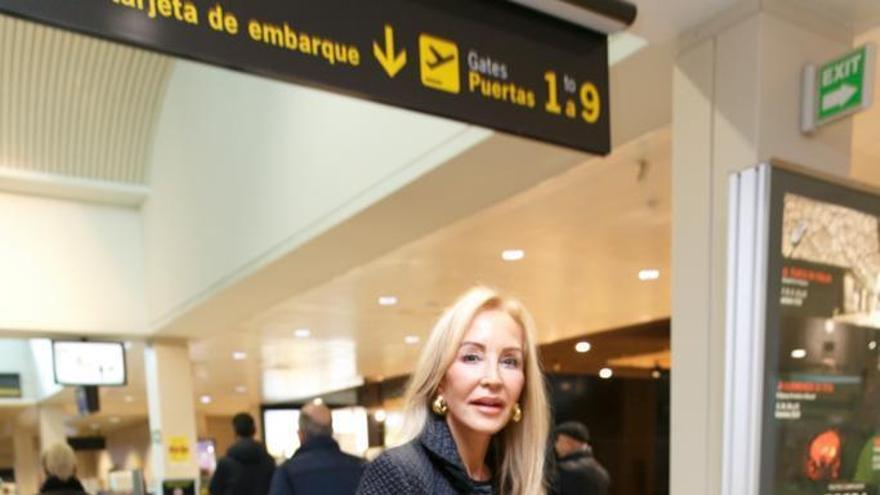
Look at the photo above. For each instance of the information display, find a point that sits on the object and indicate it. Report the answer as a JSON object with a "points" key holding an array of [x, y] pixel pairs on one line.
{"points": [[282, 424], [821, 433], [488, 62], [89, 363]]}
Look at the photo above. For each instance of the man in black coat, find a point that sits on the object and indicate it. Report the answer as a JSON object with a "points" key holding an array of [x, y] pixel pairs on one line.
{"points": [[318, 466], [247, 468], [578, 472]]}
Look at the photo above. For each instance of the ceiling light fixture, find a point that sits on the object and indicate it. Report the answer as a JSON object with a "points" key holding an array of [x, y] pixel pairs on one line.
{"points": [[205, 399], [387, 300], [649, 274], [605, 373], [583, 346], [239, 356], [872, 345], [513, 254], [829, 326], [302, 333], [799, 353], [411, 339]]}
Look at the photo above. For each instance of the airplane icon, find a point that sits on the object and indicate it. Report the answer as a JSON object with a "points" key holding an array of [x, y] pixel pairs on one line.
{"points": [[439, 59]]}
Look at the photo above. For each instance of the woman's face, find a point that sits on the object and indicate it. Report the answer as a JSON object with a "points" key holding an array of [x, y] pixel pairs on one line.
{"points": [[486, 378]]}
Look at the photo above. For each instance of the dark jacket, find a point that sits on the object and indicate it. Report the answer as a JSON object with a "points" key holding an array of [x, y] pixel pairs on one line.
{"points": [[246, 470], [430, 464], [318, 467], [56, 486], [581, 474]]}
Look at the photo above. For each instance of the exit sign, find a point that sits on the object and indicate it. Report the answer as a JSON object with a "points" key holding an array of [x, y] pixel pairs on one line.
{"points": [[838, 88]]}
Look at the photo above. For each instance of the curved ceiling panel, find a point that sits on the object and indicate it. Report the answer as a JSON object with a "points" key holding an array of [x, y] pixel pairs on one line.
{"points": [[77, 106]]}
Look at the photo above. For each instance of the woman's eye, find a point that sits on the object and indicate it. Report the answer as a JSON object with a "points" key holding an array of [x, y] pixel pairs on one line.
{"points": [[470, 358], [510, 362]]}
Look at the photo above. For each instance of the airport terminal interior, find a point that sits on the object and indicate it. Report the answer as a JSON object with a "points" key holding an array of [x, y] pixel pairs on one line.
{"points": [[238, 243]]}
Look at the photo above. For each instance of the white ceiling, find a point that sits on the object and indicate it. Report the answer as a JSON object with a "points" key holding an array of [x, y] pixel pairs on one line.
{"points": [[586, 234], [76, 106]]}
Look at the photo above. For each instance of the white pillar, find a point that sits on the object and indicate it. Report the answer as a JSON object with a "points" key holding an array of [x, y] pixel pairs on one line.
{"points": [[26, 461], [51, 421], [736, 102], [172, 413]]}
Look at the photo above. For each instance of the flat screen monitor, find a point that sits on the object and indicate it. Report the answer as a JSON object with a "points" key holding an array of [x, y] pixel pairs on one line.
{"points": [[282, 424], [89, 363]]}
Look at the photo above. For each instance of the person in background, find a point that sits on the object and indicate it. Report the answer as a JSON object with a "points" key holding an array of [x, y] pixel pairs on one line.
{"points": [[247, 468], [578, 472], [476, 407], [318, 466], [59, 462]]}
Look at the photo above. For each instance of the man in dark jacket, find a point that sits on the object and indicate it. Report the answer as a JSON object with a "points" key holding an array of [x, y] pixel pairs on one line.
{"points": [[578, 472], [318, 466], [247, 468]]}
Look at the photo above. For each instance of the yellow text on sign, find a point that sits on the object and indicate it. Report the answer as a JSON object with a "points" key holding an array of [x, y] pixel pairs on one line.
{"points": [[178, 449], [438, 64]]}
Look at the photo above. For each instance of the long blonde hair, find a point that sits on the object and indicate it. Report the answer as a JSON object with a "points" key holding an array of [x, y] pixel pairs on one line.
{"points": [[521, 445]]}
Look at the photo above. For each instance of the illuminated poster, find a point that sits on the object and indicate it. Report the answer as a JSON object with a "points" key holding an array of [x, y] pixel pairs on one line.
{"points": [[822, 402]]}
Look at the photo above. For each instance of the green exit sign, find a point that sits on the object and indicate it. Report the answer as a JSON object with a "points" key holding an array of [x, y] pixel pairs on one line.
{"points": [[838, 88]]}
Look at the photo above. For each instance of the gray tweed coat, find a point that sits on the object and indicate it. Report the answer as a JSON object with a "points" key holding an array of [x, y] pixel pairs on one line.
{"points": [[430, 464]]}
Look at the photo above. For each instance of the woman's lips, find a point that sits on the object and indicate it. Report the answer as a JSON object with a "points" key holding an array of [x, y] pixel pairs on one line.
{"points": [[489, 406]]}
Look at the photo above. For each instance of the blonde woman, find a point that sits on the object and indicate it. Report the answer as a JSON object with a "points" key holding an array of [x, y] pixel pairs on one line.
{"points": [[59, 462], [476, 407]]}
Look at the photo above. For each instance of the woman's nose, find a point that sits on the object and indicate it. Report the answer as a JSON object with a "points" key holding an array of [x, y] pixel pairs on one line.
{"points": [[491, 377]]}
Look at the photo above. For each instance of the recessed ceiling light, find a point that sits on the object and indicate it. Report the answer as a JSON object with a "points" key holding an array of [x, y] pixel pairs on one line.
{"points": [[799, 353], [114, 420], [513, 254], [241, 389], [239, 356], [583, 346], [872, 345], [302, 333], [129, 398], [605, 373], [411, 339], [380, 415], [387, 300], [205, 399], [829, 326], [649, 274]]}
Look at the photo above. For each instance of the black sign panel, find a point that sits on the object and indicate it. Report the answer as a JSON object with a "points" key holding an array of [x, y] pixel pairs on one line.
{"points": [[10, 386], [179, 487], [483, 61]]}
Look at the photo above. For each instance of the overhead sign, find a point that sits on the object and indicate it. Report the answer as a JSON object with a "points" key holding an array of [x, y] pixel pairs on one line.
{"points": [[838, 88], [10, 386], [488, 62]]}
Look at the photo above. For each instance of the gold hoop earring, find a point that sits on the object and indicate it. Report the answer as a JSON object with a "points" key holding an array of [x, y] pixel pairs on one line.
{"points": [[439, 406], [516, 416]]}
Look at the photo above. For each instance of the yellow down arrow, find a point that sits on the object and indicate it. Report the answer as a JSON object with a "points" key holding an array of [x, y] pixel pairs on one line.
{"points": [[387, 59]]}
